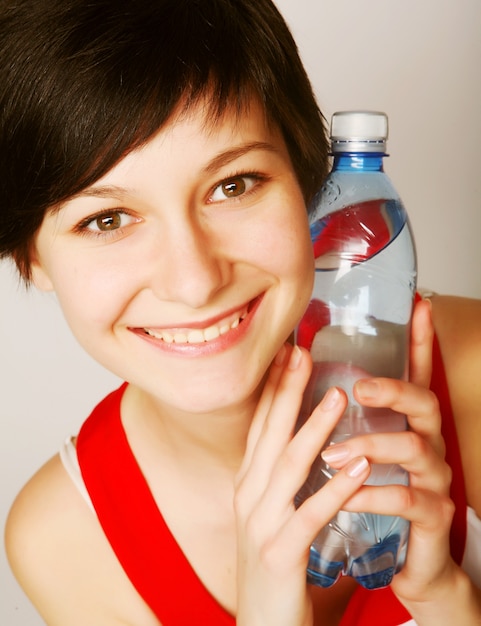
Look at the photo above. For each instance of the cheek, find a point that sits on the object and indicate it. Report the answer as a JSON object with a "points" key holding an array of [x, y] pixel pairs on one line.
{"points": [[287, 246], [284, 250], [91, 297], [298, 261]]}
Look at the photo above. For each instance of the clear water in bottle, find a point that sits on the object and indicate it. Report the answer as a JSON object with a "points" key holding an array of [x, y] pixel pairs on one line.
{"points": [[357, 325]]}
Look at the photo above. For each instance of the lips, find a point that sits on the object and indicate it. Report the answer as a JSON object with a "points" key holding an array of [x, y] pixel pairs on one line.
{"points": [[199, 335], [214, 333]]}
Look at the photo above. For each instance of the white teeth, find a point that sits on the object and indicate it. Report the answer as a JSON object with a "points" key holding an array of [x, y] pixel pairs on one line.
{"points": [[211, 333], [195, 336], [167, 337], [180, 338], [198, 335]]}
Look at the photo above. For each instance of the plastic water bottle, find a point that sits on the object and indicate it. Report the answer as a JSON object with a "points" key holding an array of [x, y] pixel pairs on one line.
{"points": [[358, 325]]}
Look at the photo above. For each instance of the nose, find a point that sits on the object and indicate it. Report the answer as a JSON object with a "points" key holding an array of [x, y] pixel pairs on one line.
{"points": [[193, 267]]}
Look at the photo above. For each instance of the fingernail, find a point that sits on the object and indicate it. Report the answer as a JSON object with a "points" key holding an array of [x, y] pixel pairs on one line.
{"points": [[279, 360], [427, 300], [357, 467], [331, 398], [367, 388], [335, 453], [295, 358]]}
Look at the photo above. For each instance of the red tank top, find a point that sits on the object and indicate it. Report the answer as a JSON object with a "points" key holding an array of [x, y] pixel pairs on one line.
{"points": [[151, 557]]}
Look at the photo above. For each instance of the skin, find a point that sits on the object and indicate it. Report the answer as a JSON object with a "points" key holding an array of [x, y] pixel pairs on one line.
{"points": [[200, 258], [457, 324], [224, 439]]}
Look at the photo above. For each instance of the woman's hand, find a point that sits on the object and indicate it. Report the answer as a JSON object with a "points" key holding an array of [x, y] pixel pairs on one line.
{"points": [[432, 587], [274, 537]]}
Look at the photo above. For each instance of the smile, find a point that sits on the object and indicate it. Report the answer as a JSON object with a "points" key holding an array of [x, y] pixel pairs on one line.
{"points": [[199, 335]]}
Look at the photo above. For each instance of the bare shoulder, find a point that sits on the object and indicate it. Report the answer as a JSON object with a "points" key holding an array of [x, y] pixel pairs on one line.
{"points": [[457, 322], [62, 560], [33, 517]]}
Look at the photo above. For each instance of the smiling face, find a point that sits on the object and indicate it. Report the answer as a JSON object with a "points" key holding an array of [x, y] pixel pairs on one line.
{"points": [[185, 268]]}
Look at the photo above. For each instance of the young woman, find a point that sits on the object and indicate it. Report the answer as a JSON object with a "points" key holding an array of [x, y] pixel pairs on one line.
{"points": [[158, 158]]}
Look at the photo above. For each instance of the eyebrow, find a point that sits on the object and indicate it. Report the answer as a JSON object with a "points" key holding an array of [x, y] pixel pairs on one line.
{"points": [[102, 191], [220, 160], [226, 157]]}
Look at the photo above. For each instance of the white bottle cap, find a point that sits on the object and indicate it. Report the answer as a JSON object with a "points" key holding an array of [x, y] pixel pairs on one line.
{"points": [[359, 131]]}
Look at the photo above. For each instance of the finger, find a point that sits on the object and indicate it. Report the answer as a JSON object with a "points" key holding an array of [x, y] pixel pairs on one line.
{"points": [[422, 334], [420, 405], [413, 453], [315, 512], [429, 512], [294, 464], [430, 516], [428, 546], [278, 425], [265, 402]]}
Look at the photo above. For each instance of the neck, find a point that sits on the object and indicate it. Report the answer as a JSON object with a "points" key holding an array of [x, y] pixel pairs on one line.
{"points": [[217, 437]]}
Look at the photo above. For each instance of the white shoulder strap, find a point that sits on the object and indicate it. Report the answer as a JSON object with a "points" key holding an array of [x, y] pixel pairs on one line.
{"points": [[68, 456]]}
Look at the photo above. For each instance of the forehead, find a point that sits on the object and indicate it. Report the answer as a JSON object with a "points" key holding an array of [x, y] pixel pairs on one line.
{"points": [[205, 120], [195, 133], [191, 142]]}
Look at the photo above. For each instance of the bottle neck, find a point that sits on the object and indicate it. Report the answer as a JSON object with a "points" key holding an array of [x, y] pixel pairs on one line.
{"points": [[359, 161]]}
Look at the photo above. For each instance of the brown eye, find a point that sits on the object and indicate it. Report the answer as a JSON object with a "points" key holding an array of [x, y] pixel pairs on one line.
{"points": [[112, 221], [105, 222], [234, 187]]}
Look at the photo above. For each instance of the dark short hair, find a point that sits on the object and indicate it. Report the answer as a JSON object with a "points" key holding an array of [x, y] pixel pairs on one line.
{"points": [[82, 83]]}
